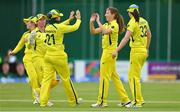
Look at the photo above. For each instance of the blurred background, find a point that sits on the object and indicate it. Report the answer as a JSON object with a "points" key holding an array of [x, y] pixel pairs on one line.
{"points": [[84, 50]]}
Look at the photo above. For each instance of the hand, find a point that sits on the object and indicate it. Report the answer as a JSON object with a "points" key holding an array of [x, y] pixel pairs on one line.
{"points": [[147, 54], [93, 17], [97, 17], [114, 54], [33, 33], [71, 16], [78, 14], [32, 36], [10, 53], [26, 40]]}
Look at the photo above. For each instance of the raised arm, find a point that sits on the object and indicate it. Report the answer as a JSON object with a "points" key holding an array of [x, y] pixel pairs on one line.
{"points": [[103, 30], [93, 30], [71, 28], [71, 17]]}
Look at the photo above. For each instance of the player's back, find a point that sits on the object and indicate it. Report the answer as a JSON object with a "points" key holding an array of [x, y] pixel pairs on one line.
{"points": [[139, 33], [54, 39]]}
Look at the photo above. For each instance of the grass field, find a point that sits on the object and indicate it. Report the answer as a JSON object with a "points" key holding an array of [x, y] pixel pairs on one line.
{"points": [[158, 96]]}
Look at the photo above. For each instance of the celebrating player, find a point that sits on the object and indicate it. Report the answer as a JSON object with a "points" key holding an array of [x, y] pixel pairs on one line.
{"points": [[139, 33], [27, 59], [56, 58], [110, 31]]}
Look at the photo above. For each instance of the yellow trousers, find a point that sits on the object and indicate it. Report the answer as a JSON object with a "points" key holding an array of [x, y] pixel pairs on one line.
{"points": [[31, 72], [39, 65], [59, 64], [107, 72], [137, 59]]}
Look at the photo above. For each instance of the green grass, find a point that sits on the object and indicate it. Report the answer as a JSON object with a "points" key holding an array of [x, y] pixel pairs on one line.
{"points": [[158, 97]]}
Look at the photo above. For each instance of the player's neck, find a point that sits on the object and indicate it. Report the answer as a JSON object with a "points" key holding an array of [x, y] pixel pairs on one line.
{"points": [[110, 20], [42, 29]]}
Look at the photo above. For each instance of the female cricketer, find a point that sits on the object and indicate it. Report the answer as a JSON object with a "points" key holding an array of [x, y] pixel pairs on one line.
{"points": [[56, 58], [110, 31], [27, 59], [38, 42], [139, 33]]}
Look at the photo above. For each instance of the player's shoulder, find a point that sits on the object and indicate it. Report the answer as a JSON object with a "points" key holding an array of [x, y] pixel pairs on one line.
{"points": [[131, 21], [51, 26], [143, 21], [26, 33], [114, 25], [105, 24]]}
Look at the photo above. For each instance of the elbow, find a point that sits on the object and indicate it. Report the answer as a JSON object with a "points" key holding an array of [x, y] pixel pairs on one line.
{"points": [[149, 34], [92, 32], [149, 37], [74, 28]]}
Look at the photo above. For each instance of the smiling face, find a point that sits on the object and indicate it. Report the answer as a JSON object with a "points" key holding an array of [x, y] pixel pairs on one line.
{"points": [[130, 15], [30, 25], [109, 16], [41, 22]]}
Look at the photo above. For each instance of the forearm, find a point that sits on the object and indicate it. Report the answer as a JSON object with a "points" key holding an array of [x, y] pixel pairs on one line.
{"points": [[122, 44], [73, 27], [148, 40], [92, 28], [101, 26], [19, 46], [66, 22], [148, 43], [124, 40]]}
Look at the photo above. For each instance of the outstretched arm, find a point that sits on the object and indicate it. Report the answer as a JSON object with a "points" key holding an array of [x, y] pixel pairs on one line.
{"points": [[19, 46], [71, 28]]}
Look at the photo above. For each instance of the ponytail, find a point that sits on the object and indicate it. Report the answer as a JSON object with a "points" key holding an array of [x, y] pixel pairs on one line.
{"points": [[120, 22], [119, 19], [135, 15]]}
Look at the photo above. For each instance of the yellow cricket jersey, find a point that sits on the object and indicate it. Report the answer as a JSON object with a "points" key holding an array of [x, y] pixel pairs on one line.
{"points": [[110, 41], [139, 32], [39, 45], [55, 34], [21, 44], [66, 22]]}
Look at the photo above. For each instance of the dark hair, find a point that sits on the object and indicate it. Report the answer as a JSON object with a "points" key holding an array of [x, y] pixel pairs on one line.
{"points": [[136, 15], [118, 17], [53, 20]]}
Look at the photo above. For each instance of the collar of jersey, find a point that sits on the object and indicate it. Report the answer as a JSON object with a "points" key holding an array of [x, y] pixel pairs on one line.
{"points": [[114, 21]]}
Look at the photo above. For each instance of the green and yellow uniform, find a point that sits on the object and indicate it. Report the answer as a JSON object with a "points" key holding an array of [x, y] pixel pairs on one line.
{"points": [[138, 54], [28, 63], [56, 60], [108, 65]]}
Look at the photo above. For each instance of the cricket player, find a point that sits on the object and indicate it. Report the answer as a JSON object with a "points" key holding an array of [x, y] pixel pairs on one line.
{"points": [[56, 58], [110, 31], [27, 59], [37, 41], [139, 33]]}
